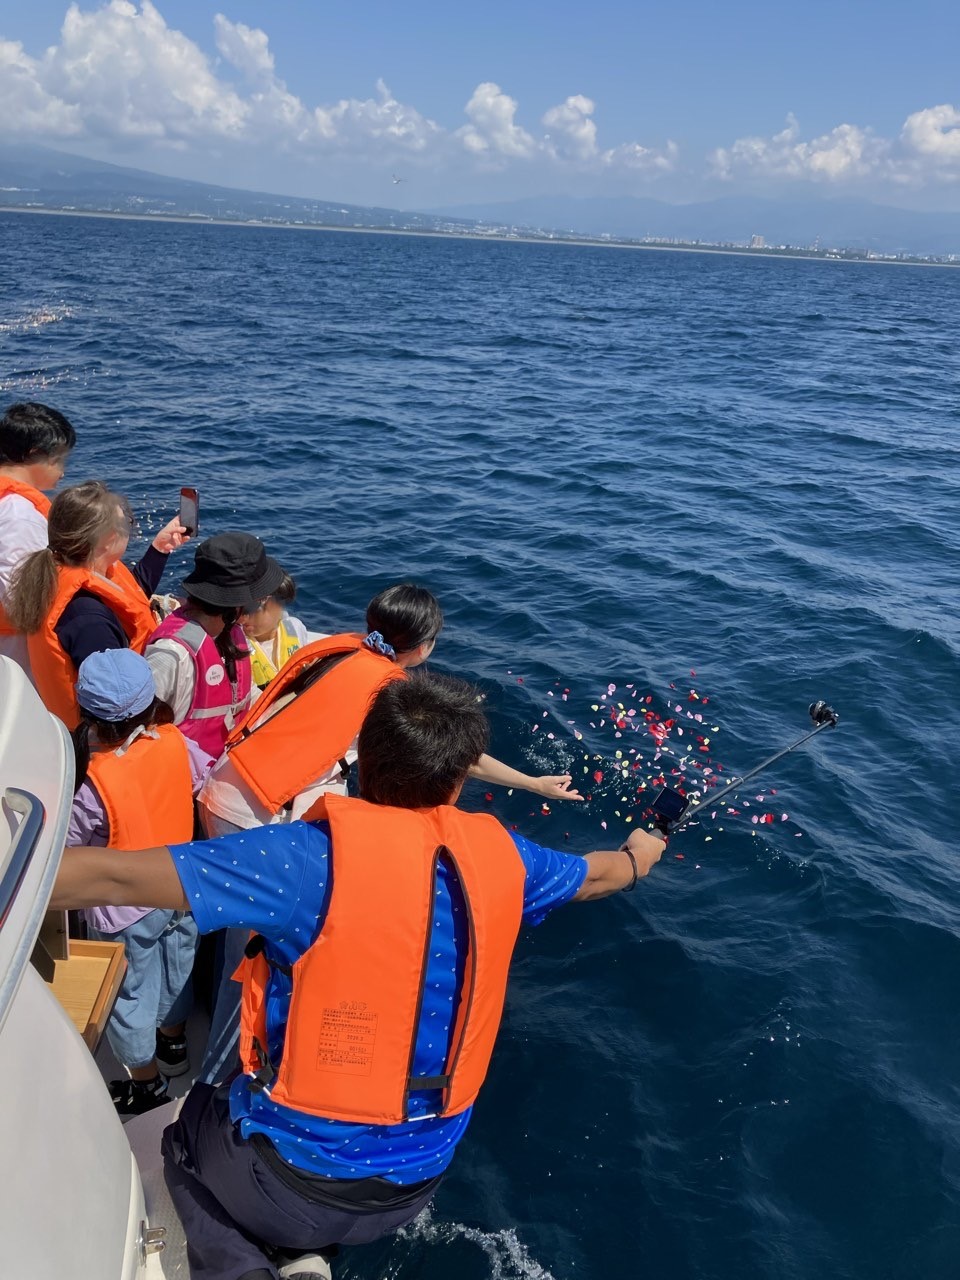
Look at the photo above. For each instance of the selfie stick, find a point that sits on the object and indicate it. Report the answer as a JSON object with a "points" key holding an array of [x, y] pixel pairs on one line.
{"points": [[823, 717]]}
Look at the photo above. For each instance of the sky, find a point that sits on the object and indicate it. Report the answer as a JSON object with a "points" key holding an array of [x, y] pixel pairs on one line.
{"points": [[493, 101]]}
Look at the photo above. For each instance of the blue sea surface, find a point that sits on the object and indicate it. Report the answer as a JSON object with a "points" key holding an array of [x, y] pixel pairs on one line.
{"points": [[613, 468]]}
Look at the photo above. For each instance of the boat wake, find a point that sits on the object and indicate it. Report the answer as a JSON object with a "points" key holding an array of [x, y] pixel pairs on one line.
{"points": [[508, 1258]]}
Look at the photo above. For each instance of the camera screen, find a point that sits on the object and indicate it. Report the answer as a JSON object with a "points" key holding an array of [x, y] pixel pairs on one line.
{"points": [[669, 805]]}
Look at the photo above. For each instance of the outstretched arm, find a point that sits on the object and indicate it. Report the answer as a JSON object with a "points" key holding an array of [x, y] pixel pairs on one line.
{"points": [[609, 870], [111, 878], [553, 786]]}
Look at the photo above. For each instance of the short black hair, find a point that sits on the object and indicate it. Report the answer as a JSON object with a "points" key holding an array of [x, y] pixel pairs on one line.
{"points": [[30, 431], [418, 740], [405, 615]]}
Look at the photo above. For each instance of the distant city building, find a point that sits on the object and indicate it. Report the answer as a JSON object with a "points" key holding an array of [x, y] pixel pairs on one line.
{"points": [[757, 242]]}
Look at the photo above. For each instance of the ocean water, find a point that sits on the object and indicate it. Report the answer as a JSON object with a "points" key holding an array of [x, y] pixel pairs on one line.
{"points": [[725, 487]]}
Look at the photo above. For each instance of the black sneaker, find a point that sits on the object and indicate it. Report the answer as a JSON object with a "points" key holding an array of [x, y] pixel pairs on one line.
{"points": [[135, 1097], [172, 1056]]}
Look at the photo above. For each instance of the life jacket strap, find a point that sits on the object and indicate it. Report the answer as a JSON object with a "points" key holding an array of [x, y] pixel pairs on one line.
{"points": [[300, 683], [344, 768], [264, 1075], [257, 946], [416, 1083]]}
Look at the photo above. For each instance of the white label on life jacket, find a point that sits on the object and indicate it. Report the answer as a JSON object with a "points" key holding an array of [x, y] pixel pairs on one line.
{"points": [[215, 675]]}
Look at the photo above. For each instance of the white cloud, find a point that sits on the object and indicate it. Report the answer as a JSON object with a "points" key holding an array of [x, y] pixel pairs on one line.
{"points": [[120, 73], [383, 120], [25, 105], [492, 130], [572, 137], [927, 150], [844, 153], [934, 133], [246, 48], [632, 156], [123, 73], [129, 75], [572, 131]]}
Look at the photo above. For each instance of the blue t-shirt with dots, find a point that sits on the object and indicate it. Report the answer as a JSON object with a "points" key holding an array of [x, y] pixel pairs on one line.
{"points": [[275, 880]]}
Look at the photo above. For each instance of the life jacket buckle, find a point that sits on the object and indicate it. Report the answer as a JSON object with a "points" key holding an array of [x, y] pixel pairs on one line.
{"points": [[260, 1079]]}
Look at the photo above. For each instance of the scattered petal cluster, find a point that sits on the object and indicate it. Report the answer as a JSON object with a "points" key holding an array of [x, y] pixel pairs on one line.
{"points": [[623, 743]]}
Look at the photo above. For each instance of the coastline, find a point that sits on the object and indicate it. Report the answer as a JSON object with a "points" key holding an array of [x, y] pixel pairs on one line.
{"points": [[573, 241]]}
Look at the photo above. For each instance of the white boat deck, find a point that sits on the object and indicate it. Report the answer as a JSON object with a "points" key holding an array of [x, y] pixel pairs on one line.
{"points": [[144, 1134]]}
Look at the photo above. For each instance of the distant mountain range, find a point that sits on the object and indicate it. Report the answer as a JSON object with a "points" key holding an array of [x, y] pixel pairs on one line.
{"points": [[37, 177], [840, 224]]}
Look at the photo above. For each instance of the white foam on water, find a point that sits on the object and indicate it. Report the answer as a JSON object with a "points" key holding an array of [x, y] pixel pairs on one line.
{"points": [[508, 1258], [35, 319], [37, 380]]}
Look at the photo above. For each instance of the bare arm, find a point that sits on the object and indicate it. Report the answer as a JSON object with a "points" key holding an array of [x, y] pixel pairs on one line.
{"points": [[553, 786], [609, 870], [110, 878]]}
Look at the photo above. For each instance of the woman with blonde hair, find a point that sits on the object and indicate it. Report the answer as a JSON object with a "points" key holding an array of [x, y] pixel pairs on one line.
{"points": [[76, 597]]}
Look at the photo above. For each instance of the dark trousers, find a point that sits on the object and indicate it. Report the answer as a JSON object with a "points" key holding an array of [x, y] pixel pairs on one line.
{"points": [[233, 1201]]}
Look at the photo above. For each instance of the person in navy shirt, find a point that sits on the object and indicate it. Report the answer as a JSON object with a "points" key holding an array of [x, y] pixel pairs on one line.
{"points": [[257, 1183]]}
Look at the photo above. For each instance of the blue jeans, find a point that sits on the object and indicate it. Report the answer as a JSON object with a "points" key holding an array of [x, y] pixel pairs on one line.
{"points": [[156, 989]]}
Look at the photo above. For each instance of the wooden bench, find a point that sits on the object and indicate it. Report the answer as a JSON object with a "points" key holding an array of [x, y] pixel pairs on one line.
{"points": [[85, 976]]}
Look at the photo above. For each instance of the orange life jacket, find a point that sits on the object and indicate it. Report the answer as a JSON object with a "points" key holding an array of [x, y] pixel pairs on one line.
{"points": [[40, 500], [146, 790], [53, 671], [357, 990], [278, 755], [42, 503]]}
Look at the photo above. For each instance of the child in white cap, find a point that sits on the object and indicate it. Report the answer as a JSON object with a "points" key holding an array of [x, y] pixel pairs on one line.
{"points": [[136, 779]]}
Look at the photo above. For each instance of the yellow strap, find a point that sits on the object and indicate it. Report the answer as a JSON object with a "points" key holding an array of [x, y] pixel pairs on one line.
{"points": [[264, 669]]}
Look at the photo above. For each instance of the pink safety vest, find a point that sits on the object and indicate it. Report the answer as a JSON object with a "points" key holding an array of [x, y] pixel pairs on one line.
{"points": [[217, 702]]}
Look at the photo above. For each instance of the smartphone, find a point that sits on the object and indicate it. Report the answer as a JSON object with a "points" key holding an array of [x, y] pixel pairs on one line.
{"points": [[190, 510], [668, 806]]}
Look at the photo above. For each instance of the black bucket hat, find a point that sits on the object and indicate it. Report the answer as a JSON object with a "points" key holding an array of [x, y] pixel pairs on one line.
{"points": [[233, 569]]}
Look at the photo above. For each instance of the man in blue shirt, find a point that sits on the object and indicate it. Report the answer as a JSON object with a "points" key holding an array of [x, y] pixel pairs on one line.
{"points": [[262, 1169]]}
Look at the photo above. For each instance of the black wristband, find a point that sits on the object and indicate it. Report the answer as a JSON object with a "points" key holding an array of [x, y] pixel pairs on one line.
{"points": [[633, 862]]}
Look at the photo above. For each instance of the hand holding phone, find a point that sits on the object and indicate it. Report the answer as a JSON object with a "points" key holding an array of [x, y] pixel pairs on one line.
{"points": [[190, 511]]}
